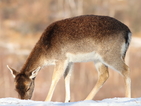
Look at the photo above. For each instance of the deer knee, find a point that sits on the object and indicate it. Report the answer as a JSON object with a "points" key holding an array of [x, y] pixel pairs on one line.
{"points": [[104, 76], [125, 71], [102, 72]]}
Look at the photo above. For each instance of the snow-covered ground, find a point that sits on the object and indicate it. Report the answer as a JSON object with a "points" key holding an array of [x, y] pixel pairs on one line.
{"points": [[105, 102]]}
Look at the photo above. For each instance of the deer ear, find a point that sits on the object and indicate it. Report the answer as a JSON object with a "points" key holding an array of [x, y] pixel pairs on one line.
{"points": [[34, 73], [13, 72]]}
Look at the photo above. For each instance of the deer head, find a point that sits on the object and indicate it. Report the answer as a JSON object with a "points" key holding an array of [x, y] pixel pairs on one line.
{"points": [[24, 82]]}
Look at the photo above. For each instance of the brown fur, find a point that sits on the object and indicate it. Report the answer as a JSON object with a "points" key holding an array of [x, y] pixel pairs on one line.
{"points": [[65, 33], [79, 35]]}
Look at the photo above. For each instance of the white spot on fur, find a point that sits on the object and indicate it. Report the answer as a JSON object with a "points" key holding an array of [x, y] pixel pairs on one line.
{"points": [[49, 62], [129, 37], [123, 48]]}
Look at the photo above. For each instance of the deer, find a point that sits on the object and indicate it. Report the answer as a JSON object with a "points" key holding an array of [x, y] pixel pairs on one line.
{"points": [[101, 39]]}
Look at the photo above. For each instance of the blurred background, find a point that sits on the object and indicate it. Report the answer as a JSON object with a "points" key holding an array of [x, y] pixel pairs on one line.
{"points": [[22, 23]]}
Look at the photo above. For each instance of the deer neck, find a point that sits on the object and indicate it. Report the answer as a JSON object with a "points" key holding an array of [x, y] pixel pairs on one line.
{"points": [[34, 60]]}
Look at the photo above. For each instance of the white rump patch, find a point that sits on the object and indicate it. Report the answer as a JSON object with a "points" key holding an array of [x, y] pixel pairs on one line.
{"points": [[124, 45], [129, 37], [123, 48]]}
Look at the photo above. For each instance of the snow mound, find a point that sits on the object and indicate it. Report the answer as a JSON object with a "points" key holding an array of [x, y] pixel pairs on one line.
{"points": [[105, 102]]}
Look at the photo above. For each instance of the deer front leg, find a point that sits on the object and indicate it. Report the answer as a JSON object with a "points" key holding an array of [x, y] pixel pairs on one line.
{"points": [[58, 73], [103, 76], [67, 76]]}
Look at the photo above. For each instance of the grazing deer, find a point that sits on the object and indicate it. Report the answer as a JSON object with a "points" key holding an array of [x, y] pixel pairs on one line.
{"points": [[101, 39]]}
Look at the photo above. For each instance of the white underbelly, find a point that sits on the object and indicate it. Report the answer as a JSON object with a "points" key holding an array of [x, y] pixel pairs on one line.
{"points": [[83, 57]]}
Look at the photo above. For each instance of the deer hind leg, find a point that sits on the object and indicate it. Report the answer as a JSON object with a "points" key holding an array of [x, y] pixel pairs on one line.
{"points": [[57, 74], [123, 69], [67, 76], [125, 74], [103, 76]]}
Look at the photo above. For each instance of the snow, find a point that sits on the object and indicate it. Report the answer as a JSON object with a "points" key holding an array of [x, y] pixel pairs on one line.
{"points": [[105, 102]]}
